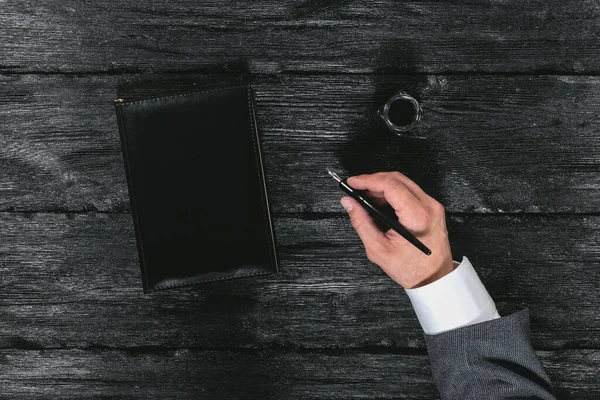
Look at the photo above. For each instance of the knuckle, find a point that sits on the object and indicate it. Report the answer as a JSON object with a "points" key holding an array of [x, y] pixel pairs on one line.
{"points": [[421, 219], [372, 254], [438, 208], [393, 182], [396, 175]]}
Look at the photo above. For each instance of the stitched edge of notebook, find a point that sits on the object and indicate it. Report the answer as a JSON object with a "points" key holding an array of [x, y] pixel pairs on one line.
{"points": [[132, 200], [201, 280], [262, 181], [190, 93]]}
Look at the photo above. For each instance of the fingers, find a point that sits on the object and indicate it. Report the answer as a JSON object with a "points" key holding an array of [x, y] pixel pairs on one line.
{"points": [[379, 201], [375, 240], [377, 198], [409, 204], [378, 181]]}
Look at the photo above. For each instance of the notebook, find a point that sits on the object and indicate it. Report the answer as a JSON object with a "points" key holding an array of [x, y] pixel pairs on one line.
{"points": [[197, 187]]}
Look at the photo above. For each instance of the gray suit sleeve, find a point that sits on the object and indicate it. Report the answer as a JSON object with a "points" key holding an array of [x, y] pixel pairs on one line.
{"points": [[489, 360]]}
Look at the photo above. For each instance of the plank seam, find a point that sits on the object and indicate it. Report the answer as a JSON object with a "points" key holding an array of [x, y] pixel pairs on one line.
{"points": [[313, 215], [305, 73]]}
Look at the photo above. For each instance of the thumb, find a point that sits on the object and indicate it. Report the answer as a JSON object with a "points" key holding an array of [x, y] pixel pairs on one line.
{"points": [[364, 225]]}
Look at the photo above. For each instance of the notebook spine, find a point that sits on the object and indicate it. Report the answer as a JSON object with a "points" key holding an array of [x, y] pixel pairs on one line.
{"points": [[119, 103], [262, 178]]}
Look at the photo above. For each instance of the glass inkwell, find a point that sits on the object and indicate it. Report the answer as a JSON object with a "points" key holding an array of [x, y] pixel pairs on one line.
{"points": [[400, 113]]}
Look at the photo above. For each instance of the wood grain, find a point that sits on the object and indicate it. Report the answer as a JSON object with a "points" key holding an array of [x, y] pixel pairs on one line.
{"points": [[192, 374], [509, 144], [280, 36], [73, 281], [487, 144]]}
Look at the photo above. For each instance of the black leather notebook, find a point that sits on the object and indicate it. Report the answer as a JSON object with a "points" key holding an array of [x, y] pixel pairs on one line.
{"points": [[197, 187]]}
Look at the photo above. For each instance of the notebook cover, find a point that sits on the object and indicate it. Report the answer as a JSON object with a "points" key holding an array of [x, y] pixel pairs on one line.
{"points": [[197, 187]]}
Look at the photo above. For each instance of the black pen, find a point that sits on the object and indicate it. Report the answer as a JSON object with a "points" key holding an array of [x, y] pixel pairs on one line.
{"points": [[391, 222]]}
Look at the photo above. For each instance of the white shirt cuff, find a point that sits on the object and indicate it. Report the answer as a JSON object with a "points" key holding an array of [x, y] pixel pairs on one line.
{"points": [[455, 300]]}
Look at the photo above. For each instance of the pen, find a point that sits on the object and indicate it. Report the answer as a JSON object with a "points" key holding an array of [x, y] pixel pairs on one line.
{"points": [[391, 222]]}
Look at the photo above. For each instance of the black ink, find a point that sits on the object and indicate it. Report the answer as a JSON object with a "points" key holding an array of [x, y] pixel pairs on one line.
{"points": [[402, 112]]}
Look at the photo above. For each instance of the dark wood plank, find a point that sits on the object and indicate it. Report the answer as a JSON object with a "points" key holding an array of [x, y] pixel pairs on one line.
{"points": [[189, 374], [273, 36], [491, 143], [73, 281]]}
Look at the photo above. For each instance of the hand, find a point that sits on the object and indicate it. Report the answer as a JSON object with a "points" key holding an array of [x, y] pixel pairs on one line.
{"points": [[421, 214]]}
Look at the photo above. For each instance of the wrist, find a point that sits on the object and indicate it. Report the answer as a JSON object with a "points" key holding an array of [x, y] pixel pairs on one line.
{"points": [[446, 268]]}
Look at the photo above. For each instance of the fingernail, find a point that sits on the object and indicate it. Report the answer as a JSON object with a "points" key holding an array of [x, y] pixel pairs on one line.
{"points": [[346, 204], [350, 179]]}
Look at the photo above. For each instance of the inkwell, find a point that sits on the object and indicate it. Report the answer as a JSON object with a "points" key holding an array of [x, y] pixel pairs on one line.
{"points": [[400, 113]]}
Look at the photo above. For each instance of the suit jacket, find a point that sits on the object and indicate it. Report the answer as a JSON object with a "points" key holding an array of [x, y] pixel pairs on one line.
{"points": [[489, 360]]}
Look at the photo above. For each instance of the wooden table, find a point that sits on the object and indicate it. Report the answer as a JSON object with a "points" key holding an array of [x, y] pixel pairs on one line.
{"points": [[509, 144]]}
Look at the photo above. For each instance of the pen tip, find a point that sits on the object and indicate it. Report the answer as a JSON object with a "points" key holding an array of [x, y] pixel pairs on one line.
{"points": [[334, 175]]}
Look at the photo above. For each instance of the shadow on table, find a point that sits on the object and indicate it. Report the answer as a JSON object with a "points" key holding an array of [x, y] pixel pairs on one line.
{"points": [[372, 147]]}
